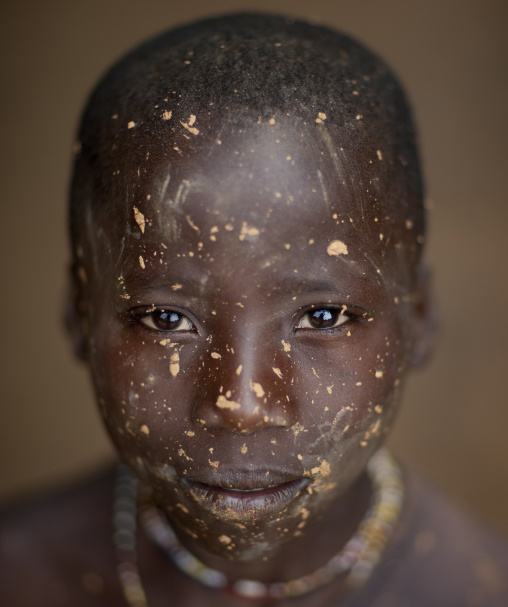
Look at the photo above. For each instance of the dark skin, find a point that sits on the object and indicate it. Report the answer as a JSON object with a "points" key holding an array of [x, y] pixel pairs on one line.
{"points": [[253, 333], [249, 329]]}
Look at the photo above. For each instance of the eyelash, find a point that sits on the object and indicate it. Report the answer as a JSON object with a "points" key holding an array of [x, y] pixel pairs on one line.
{"points": [[168, 320]]}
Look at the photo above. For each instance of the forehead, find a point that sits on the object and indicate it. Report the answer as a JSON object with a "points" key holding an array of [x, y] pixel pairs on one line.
{"points": [[267, 192]]}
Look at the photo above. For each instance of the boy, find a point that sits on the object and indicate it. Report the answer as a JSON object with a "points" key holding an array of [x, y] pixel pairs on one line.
{"points": [[248, 291]]}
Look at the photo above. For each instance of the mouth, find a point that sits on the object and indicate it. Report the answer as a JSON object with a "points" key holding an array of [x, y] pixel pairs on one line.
{"points": [[242, 502]]}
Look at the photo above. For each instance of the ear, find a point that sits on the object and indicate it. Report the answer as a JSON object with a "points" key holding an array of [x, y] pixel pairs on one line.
{"points": [[75, 311], [425, 319]]}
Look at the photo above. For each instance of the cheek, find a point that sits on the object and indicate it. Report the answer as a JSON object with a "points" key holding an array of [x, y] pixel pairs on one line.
{"points": [[348, 394], [142, 387]]}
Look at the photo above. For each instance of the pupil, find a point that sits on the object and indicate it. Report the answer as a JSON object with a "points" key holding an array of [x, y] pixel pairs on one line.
{"points": [[166, 320], [322, 319]]}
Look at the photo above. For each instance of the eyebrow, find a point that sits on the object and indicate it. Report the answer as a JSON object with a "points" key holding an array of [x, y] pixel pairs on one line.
{"points": [[291, 283], [150, 283], [312, 285]]}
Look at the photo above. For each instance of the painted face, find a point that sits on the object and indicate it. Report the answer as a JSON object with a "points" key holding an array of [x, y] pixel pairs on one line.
{"points": [[249, 326]]}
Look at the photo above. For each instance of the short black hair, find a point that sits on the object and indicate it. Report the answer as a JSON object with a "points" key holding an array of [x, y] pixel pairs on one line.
{"points": [[240, 69]]}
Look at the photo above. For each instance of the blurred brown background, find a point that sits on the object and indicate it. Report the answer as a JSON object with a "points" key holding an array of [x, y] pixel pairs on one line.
{"points": [[453, 57]]}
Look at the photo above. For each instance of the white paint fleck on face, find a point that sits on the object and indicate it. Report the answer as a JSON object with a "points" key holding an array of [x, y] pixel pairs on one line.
{"points": [[140, 219], [323, 469], [337, 247], [174, 364], [257, 389], [287, 347], [224, 539], [224, 403], [247, 230], [189, 125]]}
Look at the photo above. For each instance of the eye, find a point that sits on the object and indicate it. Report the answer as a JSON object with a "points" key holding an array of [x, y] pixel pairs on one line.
{"points": [[167, 320], [323, 318]]}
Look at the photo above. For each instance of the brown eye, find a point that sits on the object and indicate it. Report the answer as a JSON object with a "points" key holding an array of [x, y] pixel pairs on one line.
{"points": [[167, 320], [323, 318]]}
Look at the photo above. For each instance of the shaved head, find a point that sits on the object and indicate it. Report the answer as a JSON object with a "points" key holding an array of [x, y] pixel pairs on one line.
{"points": [[185, 91]]}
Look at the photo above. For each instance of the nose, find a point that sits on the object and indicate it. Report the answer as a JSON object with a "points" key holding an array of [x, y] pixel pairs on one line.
{"points": [[242, 392]]}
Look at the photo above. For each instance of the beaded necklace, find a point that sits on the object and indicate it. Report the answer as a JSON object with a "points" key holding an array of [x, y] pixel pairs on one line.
{"points": [[357, 558]]}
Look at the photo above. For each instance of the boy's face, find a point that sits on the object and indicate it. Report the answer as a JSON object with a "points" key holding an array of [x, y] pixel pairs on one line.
{"points": [[249, 327]]}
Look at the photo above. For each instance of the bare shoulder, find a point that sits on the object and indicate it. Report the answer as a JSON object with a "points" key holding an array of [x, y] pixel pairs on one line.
{"points": [[57, 549], [440, 556]]}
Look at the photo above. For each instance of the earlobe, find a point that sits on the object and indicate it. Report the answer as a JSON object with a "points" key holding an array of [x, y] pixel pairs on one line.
{"points": [[75, 316], [425, 320]]}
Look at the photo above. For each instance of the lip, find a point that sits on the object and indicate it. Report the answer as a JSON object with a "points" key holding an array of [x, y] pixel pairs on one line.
{"points": [[247, 499]]}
